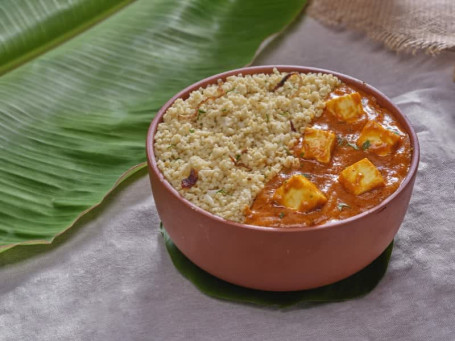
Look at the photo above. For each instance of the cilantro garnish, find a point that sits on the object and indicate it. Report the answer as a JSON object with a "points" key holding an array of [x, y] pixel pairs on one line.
{"points": [[352, 145], [342, 205], [366, 145]]}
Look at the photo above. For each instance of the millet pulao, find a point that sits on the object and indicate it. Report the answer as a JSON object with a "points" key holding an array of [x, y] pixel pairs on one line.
{"points": [[220, 146]]}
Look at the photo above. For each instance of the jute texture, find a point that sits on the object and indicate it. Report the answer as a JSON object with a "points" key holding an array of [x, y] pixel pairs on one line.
{"points": [[403, 25]]}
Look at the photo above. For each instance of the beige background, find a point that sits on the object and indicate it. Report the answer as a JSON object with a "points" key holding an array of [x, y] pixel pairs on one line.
{"points": [[409, 25]]}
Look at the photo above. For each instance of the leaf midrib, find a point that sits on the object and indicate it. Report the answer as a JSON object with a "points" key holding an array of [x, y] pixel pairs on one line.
{"points": [[63, 38]]}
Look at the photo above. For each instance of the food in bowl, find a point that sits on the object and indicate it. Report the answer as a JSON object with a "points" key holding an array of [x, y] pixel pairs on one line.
{"points": [[282, 149], [277, 258]]}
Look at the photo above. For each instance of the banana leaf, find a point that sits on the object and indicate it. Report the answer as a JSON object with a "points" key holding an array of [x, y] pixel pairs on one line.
{"points": [[82, 79], [357, 285]]}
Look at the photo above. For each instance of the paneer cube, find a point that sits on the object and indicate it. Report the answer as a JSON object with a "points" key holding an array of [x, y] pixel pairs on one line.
{"points": [[347, 108], [300, 194], [318, 144], [361, 177], [376, 138]]}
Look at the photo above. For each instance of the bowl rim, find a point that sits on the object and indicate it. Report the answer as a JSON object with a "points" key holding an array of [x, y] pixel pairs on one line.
{"points": [[415, 157]]}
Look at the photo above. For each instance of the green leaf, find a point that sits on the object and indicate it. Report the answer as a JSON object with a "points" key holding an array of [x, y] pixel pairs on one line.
{"points": [[355, 286], [352, 145], [342, 205], [81, 81], [221, 191], [30, 28]]}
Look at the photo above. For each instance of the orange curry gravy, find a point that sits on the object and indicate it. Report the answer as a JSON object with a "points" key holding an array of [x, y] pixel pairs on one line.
{"points": [[340, 203]]}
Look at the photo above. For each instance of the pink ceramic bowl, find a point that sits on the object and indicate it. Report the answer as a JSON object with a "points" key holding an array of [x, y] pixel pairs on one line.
{"points": [[277, 259]]}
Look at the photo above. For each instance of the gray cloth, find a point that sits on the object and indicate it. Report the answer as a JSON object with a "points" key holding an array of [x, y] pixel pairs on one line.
{"points": [[110, 278]]}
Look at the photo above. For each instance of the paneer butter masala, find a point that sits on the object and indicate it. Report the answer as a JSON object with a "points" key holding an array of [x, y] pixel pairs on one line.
{"points": [[351, 158], [282, 149]]}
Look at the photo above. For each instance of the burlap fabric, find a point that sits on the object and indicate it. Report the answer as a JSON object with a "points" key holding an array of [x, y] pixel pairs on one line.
{"points": [[403, 25]]}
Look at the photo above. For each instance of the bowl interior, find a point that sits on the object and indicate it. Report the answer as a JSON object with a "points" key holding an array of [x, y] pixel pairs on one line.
{"points": [[381, 99]]}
